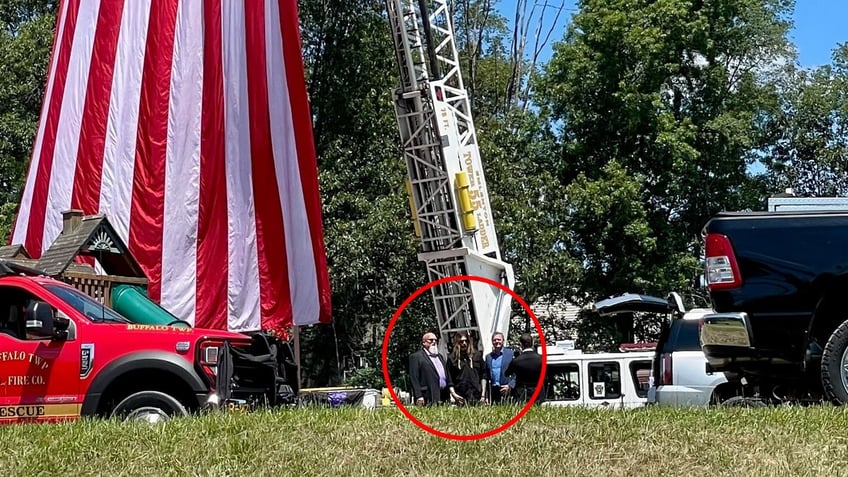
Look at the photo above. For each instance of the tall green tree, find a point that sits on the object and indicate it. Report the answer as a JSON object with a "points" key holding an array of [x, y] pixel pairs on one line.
{"points": [[368, 230], [528, 204], [809, 148], [665, 96], [517, 147], [26, 36], [371, 252]]}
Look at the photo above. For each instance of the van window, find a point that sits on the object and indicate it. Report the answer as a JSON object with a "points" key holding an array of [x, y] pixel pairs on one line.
{"points": [[604, 380], [640, 373], [687, 338], [563, 382]]}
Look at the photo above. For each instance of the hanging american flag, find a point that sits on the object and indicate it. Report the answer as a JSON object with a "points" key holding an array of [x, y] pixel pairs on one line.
{"points": [[186, 122]]}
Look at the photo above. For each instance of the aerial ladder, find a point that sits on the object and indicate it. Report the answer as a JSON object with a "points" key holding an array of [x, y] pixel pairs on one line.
{"points": [[447, 191]]}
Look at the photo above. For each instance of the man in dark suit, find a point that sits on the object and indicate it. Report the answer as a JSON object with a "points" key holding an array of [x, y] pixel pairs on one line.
{"points": [[526, 367], [500, 385], [428, 371]]}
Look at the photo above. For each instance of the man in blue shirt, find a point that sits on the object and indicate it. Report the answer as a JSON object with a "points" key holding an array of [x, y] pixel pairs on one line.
{"points": [[500, 386]]}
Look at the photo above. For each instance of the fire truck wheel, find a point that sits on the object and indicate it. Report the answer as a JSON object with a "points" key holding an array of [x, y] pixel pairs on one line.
{"points": [[149, 406]]}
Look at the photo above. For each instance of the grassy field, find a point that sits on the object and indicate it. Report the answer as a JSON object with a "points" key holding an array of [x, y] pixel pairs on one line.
{"points": [[546, 442]]}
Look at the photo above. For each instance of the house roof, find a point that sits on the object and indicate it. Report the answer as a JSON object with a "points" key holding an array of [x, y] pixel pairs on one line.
{"points": [[13, 251], [92, 236]]}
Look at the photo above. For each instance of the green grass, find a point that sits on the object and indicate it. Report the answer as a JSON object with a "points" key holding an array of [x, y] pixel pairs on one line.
{"points": [[646, 441]]}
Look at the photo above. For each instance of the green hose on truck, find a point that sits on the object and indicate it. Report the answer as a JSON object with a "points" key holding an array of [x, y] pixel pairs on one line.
{"points": [[132, 302]]}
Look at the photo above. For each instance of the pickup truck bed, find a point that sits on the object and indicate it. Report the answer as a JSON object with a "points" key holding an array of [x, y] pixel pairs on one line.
{"points": [[778, 283]]}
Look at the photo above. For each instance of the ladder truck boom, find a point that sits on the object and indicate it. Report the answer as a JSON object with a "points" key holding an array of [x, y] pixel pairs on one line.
{"points": [[446, 184]]}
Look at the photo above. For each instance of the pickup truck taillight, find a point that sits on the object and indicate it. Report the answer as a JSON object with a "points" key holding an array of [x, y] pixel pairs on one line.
{"points": [[722, 271]]}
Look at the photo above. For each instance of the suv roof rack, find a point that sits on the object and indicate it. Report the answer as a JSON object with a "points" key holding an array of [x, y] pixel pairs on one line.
{"points": [[632, 347]]}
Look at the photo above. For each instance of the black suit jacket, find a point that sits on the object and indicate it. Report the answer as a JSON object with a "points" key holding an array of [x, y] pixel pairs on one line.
{"points": [[526, 367], [425, 378]]}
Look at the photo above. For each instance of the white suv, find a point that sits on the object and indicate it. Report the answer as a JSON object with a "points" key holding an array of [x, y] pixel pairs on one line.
{"points": [[679, 371]]}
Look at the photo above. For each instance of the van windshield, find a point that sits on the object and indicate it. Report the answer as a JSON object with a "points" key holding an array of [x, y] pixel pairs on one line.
{"points": [[86, 305]]}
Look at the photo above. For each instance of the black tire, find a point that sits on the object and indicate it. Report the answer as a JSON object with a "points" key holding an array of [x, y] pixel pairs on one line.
{"points": [[715, 400], [150, 406], [743, 401], [834, 378]]}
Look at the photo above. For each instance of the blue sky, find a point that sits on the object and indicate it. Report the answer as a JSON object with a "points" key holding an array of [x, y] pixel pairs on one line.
{"points": [[819, 26]]}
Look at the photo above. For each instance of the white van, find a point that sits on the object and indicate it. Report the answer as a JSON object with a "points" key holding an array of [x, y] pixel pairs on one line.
{"points": [[609, 380]]}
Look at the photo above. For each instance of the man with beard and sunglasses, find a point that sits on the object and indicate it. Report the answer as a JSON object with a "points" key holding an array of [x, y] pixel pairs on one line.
{"points": [[429, 376]]}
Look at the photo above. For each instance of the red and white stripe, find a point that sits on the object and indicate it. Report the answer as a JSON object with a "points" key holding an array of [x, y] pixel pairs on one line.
{"points": [[187, 124]]}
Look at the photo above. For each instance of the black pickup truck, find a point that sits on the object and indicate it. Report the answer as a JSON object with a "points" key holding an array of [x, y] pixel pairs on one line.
{"points": [[778, 282]]}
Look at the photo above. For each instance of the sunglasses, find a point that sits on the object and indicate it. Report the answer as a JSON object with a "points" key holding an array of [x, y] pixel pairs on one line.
{"points": [[463, 341]]}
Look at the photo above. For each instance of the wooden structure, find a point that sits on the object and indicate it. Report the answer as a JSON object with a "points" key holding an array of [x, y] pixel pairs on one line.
{"points": [[85, 242]]}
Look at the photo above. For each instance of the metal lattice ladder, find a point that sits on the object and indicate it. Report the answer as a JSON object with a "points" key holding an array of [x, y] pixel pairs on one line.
{"points": [[440, 150]]}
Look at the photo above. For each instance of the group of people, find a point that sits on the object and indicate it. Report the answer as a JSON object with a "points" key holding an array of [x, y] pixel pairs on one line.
{"points": [[467, 377]]}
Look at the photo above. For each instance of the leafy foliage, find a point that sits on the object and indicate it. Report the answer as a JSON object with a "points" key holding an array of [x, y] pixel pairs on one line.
{"points": [[529, 209], [659, 103], [809, 148], [368, 232], [26, 35], [371, 378]]}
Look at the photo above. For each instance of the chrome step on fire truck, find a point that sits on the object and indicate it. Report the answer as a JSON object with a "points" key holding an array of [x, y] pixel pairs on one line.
{"points": [[446, 184]]}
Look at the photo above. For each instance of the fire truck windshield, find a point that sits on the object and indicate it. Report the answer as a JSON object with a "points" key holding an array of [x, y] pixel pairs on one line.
{"points": [[86, 305]]}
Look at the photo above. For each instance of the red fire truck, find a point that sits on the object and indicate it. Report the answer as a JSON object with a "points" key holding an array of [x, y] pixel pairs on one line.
{"points": [[66, 355]]}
